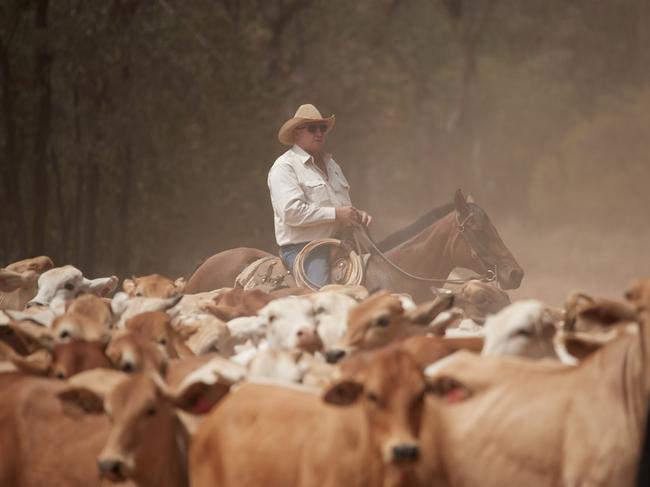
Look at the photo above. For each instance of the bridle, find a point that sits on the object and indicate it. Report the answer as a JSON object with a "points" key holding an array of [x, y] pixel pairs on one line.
{"points": [[462, 231]]}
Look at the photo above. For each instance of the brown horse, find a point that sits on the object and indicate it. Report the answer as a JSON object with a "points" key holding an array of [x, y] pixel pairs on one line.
{"points": [[463, 237]]}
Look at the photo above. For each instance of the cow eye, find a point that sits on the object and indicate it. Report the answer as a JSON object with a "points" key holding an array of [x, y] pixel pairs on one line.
{"points": [[272, 318], [372, 397], [524, 332], [64, 334], [138, 293], [127, 367], [151, 411], [163, 341], [60, 375], [382, 321], [320, 310], [69, 286]]}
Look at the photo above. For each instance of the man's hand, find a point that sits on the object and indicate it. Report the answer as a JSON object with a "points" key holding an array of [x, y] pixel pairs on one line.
{"points": [[364, 218], [349, 215]]}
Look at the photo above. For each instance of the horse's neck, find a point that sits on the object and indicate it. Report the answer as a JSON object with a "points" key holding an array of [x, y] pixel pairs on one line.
{"points": [[430, 253]]}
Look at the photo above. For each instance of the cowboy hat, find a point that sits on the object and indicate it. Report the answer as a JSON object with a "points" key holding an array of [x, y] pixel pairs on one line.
{"points": [[305, 114]]}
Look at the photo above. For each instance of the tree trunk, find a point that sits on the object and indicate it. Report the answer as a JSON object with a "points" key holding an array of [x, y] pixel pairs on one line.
{"points": [[12, 202], [43, 131]]}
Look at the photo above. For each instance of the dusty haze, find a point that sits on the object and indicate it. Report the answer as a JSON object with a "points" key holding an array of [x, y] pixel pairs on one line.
{"points": [[136, 136]]}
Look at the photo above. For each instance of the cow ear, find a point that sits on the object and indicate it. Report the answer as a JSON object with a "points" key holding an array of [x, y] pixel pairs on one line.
{"points": [[444, 320], [204, 387], [10, 280], [581, 347], [470, 199], [34, 335], [77, 401], [102, 286], [37, 363], [461, 204], [87, 391], [180, 284], [448, 389], [128, 286], [343, 393], [426, 312], [609, 312]]}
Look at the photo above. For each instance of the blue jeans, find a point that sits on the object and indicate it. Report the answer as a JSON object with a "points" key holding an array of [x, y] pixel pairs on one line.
{"points": [[317, 264]]}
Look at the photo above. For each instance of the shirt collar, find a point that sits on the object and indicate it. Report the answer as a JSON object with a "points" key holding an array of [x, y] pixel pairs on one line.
{"points": [[304, 156]]}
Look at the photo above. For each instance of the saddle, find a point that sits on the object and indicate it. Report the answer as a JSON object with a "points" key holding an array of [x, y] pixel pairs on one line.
{"points": [[347, 267]]}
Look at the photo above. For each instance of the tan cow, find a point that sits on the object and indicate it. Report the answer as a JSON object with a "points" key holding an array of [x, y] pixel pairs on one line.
{"points": [[237, 302], [19, 281], [153, 286], [542, 423], [87, 318], [64, 361], [157, 327], [381, 319], [361, 431]]}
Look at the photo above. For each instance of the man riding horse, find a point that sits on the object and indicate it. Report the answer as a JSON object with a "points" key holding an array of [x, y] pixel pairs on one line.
{"points": [[309, 193]]}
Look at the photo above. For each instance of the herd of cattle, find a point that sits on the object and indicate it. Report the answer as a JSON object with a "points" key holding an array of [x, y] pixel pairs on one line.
{"points": [[154, 387]]}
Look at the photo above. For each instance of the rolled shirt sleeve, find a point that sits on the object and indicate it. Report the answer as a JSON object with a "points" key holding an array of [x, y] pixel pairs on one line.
{"points": [[289, 200]]}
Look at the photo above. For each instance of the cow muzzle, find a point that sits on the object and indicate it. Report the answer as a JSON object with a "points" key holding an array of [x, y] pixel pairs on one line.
{"points": [[333, 356], [402, 453], [112, 469]]}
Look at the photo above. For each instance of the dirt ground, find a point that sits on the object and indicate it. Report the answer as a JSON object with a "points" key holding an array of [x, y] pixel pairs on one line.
{"points": [[559, 260]]}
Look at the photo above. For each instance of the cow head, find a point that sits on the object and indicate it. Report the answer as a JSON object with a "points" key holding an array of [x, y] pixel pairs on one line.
{"points": [[153, 286], [147, 442], [479, 299], [381, 319], [67, 282], [291, 324], [523, 329], [156, 326], [63, 361], [390, 387], [131, 352]]}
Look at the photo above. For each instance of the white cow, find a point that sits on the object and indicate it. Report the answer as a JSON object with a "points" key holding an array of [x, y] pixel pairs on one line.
{"points": [[524, 328], [64, 283]]}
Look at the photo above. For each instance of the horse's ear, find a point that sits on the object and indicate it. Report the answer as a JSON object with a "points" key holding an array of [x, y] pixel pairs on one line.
{"points": [[461, 205]]}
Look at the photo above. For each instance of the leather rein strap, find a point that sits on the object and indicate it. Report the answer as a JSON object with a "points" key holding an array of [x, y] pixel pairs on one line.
{"points": [[489, 276]]}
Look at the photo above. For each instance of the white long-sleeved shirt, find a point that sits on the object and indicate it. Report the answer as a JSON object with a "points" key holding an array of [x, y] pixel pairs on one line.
{"points": [[304, 199]]}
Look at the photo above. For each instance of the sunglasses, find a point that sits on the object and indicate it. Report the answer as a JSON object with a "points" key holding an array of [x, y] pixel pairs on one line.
{"points": [[315, 127]]}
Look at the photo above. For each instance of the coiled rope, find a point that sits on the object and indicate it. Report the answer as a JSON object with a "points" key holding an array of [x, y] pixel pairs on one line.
{"points": [[353, 274]]}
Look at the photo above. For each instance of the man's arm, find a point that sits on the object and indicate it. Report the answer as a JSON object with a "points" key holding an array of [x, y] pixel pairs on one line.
{"points": [[289, 199]]}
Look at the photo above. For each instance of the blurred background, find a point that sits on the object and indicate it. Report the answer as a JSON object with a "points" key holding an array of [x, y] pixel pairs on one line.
{"points": [[136, 135]]}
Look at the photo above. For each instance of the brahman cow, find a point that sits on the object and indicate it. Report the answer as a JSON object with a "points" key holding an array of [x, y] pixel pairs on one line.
{"points": [[361, 431], [509, 421]]}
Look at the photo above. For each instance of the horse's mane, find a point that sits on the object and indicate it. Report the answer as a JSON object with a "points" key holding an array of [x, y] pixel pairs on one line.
{"points": [[402, 235]]}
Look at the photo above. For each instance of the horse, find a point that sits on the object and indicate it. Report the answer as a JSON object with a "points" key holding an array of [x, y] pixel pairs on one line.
{"points": [[459, 234]]}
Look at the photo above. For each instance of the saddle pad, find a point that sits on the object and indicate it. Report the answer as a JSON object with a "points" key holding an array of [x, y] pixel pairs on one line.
{"points": [[268, 274]]}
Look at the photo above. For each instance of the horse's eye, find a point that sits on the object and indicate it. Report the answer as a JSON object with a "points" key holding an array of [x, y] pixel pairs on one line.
{"points": [[64, 334], [151, 411], [68, 286], [372, 397]]}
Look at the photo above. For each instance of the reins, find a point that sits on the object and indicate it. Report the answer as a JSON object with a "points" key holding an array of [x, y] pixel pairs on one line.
{"points": [[489, 276]]}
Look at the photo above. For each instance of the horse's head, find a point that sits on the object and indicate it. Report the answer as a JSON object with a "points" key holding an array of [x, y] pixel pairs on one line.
{"points": [[479, 246]]}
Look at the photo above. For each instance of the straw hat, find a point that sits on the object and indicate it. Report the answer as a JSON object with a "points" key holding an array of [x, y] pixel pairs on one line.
{"points": [[305, 114]]}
